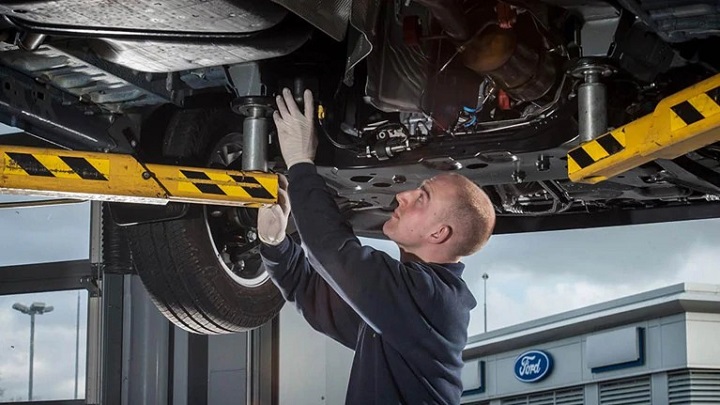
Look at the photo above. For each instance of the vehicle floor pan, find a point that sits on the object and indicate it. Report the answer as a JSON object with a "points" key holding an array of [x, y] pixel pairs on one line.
{"points": [[169, 15], [329, 16]]}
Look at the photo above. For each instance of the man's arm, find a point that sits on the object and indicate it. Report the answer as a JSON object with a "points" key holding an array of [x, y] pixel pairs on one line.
{"points": [[324, 310], [391, 297], [384, 292]]}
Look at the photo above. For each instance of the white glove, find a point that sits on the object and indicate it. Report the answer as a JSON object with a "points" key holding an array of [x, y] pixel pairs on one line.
{"points": [[296, 131], [273, 220]]}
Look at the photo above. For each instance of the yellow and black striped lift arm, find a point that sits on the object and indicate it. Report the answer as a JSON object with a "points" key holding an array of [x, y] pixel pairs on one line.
{"points": [[681, 123], [116, 177]]}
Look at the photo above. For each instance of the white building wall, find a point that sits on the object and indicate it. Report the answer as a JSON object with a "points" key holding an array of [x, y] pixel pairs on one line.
{"points": [[703, 337]]}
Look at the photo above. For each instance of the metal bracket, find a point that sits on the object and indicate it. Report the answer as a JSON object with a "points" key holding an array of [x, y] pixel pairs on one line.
{"points": [[92, 285]]}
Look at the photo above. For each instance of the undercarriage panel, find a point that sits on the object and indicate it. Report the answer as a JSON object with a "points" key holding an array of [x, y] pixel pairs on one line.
{"points": [[168, 15]]}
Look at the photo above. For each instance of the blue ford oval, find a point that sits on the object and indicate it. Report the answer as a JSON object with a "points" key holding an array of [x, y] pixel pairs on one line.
{"points": [[533, 366]]}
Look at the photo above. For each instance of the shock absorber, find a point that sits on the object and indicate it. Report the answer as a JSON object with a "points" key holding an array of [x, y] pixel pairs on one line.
{"points": [[592, 98], [256, 129]]}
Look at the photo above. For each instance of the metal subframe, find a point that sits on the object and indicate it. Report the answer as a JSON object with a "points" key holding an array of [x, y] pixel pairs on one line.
{"points": [[24, 104]]}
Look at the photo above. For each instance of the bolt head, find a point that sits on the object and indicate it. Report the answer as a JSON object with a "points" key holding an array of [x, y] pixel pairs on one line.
{"points": [[519, 176]]}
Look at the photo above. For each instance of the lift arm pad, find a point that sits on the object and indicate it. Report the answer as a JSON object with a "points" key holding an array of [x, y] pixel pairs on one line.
{"points": [[681, 123], [116, 177]]}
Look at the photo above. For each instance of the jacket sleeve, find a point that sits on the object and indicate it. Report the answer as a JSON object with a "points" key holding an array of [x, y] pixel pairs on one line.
{"points": [[388, 295], [324, 310]]}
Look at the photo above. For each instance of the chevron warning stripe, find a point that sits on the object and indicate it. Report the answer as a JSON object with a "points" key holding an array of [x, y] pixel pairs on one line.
{"points": [[695, 109], [224, 184], [596, 150], [216, 184], [67, 167]]}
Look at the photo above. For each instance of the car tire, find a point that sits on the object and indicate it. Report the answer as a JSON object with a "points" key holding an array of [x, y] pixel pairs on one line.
{"points": [[178, 260]]}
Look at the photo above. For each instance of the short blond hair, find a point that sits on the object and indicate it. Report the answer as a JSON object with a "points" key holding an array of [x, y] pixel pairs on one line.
{"points": [[472, 217]]}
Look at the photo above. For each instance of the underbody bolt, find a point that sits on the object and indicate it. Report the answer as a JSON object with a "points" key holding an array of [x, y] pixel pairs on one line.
{"points": [[543, 163], [518, 176], [239, 265]]}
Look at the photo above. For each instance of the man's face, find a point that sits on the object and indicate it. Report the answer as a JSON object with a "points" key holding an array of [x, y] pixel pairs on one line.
{"points": [[420, 212]]}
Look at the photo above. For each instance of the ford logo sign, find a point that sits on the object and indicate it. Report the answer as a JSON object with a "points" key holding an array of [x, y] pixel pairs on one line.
{"points": [[532, 366]]}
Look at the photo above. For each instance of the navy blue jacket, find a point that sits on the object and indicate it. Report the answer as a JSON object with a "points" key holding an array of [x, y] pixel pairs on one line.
{"points": [[407, 322]]}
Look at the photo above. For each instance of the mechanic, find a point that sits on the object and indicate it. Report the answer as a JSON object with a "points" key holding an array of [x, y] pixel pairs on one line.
{"points": [[406, 320]]}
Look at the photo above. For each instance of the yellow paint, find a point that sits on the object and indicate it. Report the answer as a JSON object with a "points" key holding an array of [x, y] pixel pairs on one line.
{"points": [[676, 122], [595, 151], [572, 166], [705, 105]]}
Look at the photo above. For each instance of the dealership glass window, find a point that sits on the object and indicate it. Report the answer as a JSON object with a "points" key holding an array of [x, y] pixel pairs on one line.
{"points": [[44, 234], [43, 230], [58, 342]]}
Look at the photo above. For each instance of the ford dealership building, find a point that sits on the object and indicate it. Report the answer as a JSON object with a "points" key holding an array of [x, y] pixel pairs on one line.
{"points": [[660, 347]]}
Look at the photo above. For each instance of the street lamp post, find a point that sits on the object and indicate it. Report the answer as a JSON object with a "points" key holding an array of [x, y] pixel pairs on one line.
{"points": [[485, 277], [37, 308]]}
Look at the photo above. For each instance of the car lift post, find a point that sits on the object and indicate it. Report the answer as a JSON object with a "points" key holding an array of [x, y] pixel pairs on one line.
{"points": [[681, 123]]}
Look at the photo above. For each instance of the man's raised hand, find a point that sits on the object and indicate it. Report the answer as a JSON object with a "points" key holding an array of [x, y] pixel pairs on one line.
{"points": [[296, 129]]}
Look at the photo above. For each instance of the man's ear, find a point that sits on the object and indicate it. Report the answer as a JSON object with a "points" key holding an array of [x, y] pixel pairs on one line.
{"points": [[441, 235]]}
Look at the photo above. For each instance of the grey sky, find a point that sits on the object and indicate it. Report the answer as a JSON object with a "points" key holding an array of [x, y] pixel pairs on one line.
{"points": [[539, 274]]}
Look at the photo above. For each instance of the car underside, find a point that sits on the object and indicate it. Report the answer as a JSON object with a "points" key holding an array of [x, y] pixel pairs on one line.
{"points": [[499, 91]]}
